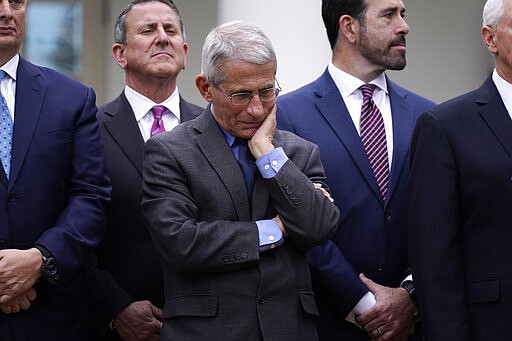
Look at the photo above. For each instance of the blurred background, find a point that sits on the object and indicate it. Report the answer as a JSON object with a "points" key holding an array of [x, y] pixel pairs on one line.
{"points": [[445, 53]]}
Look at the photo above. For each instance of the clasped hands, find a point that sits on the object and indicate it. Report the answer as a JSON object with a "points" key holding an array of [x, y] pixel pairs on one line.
{"points": [[19, 271]]}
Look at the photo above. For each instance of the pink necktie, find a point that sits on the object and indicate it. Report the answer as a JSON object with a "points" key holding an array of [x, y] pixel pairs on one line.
{"points": [[158, 122], [373, 136]]}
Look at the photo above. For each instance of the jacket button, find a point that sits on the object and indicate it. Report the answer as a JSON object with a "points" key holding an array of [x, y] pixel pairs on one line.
{"points": [[262, 300], [11, 197], [380, 267], [387, 216]]}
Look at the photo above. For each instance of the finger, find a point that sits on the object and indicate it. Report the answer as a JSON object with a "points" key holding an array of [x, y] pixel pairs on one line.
{"points": [[15, 308], [372, 286], [24, 303], [31, 294], [157, 312]]}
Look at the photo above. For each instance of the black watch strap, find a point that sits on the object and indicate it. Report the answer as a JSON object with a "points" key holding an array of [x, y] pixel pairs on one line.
{"points": [[411, 289], [49, 268]]}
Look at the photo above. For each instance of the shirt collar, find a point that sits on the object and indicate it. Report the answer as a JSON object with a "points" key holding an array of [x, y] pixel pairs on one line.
{"points": [[504, 89], [230, 139], [348, 84], [11, 66], [141, 105]]}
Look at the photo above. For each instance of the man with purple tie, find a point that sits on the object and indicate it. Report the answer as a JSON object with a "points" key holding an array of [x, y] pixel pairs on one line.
{"points": [[126, 288], [362, 122]]}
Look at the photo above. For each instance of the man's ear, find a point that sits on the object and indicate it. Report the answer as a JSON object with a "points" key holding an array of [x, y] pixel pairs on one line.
{"points": [[204, 88], [118, 53], [349, 28], [489, 38]]}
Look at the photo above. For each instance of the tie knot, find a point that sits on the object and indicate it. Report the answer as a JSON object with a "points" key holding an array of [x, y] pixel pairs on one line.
{"points": [[239, 142], [157, 111], [367, 90]]}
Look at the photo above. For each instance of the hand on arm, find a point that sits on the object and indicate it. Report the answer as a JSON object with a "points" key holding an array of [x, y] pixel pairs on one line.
{"points": [[139, 321], [280, 224], [324, 191], [19, 271], [391, 318]]}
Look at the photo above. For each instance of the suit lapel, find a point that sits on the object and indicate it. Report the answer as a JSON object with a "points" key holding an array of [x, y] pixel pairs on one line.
{"points": [[125, 132], [213, 145], [332, 107], [30, 93], [495, 114], [403, 126]]}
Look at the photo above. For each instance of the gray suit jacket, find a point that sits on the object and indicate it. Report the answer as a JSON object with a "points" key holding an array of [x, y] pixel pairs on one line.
{"points": [[218, 286]]}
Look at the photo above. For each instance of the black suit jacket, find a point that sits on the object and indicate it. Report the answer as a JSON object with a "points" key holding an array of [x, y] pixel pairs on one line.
{"points": [[218, 286], [127, 255], [461, 217]]}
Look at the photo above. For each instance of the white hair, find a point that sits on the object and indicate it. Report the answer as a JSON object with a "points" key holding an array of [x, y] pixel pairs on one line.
{"points": [[493, 10]]}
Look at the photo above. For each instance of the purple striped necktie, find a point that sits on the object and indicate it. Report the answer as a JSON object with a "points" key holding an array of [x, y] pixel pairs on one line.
{"points": [[158, 122], [373, 136]]}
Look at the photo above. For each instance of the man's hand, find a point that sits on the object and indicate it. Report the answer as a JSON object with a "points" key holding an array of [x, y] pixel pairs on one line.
{"points": [[391, 318], [139, 321], [19, 271], [324, 191], [279, 223], [18, 303], [261, 142]]}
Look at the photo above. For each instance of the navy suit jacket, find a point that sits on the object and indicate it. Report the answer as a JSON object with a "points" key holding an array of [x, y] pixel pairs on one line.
{"points": [[372, 235], [127, 256], [461, 217], [56, 196]]}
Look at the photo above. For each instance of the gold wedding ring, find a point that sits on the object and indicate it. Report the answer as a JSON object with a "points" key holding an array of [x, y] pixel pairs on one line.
{"points": [[379, 331]]}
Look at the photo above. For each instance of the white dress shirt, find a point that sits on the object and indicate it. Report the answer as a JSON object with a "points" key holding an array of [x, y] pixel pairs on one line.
{"points": [[348, 86], [142, 105], [505, 91], [8, 84]]}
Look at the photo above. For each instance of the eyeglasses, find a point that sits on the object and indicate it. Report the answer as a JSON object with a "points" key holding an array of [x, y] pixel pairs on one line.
{"points": [[244, 98]]}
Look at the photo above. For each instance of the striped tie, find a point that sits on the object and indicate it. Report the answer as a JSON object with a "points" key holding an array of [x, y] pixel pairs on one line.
{"points": [[373, 136], [158, 122]]}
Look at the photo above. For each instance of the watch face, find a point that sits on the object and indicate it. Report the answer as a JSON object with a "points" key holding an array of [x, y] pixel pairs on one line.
{"points": [[49, 270], [409, 286]]}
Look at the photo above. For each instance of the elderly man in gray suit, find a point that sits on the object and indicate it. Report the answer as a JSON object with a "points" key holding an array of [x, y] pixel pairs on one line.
{"points": [[234, 252]]}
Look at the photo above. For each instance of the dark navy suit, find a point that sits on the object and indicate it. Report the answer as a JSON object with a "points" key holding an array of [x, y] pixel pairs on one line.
{"points": [[372, 235], [461, 217], [56, 195]]}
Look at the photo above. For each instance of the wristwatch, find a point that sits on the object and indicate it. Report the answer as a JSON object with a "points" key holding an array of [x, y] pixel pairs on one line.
{"points": [[49, 266], [411, 289]]}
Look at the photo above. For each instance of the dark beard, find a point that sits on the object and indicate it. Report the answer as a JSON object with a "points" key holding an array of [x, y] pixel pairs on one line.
{"points": [[382, 57]]}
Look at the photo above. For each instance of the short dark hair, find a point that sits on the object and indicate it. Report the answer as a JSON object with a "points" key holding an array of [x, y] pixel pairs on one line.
{"points": [[332, 10], [120, 27]]}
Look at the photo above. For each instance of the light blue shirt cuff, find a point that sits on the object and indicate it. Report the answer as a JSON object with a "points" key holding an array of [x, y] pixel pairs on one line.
{"points": [[270, 234], [269, 164]]}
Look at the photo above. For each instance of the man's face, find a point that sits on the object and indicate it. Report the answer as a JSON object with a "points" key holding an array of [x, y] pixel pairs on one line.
{"points": [[382, 35], [240, 76], [154, 43], [12, 26]]}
